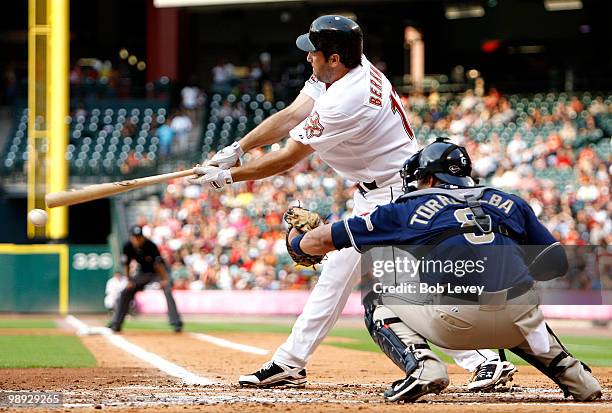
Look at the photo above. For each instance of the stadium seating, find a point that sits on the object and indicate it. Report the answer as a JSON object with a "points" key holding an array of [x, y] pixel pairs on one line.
{"points": [[100, 141], [108, 137], [229, 118], [524, 106]]}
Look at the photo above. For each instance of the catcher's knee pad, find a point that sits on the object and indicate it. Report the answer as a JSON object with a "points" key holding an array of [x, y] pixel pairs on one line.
{"points": [[401, 354]]}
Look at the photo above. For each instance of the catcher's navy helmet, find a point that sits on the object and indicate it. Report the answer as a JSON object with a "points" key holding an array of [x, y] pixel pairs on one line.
{"points": [[334, 34], [444, 160]]}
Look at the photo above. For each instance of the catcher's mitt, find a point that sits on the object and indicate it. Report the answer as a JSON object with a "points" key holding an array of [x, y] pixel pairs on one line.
{"points": [[303, 220]]}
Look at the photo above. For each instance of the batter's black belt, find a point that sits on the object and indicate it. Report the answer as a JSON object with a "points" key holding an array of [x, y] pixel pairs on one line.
{"points": [[511, 293], [365, 187]]}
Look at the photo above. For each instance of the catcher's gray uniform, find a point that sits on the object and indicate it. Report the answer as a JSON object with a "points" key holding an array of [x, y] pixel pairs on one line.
{"points": [[464, 318]]}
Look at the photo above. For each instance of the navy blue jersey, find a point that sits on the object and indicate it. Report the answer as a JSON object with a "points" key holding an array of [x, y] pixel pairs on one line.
{"points": [[423, 216], [147, 255]]}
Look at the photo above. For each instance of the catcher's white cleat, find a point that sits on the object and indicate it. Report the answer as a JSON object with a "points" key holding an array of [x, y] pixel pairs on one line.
{"points": [[490, 374]]}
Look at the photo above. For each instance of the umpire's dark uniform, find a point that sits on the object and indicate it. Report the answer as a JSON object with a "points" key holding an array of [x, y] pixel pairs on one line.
{"points": [[152, 267]]}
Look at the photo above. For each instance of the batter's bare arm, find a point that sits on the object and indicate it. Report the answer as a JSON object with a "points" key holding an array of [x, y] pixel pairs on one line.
{"points": [[277, 126], [272, 163]]}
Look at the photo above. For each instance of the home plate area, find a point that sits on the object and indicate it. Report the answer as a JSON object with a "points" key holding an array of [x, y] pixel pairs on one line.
{"points": [[340, 379]]}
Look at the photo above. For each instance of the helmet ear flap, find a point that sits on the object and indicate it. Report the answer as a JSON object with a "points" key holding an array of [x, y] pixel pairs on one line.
{"points": [[468, 160]]}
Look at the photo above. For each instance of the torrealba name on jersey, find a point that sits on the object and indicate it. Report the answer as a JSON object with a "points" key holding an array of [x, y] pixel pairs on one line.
{"points": [[426, 211]]}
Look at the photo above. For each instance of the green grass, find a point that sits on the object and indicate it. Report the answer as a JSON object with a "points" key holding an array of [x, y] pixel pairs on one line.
{"points": [[44, 351], [26, 323], [591, 350], [210, 327]]}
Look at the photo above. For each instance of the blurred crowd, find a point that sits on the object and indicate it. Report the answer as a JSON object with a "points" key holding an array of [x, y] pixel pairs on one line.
{"points": [[577, 211], [255, 78], [92, 79], [558, 171], [235, 239]]}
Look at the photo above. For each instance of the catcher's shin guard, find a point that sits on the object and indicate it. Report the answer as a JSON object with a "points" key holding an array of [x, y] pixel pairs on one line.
{"points": [[572, 376], [390, 343]]}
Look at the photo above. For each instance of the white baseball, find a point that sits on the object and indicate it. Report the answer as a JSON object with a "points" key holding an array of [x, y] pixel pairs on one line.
{"points": [[38, 217]]}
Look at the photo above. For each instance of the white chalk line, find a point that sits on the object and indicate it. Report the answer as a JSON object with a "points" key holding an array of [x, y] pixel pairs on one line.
{"points": [[158, 362], [192, 379], [76, 323], [230, 344]]}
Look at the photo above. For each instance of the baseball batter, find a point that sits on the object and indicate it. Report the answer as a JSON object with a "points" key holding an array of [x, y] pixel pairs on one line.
{"points": [[469, 223], [350, 115]]}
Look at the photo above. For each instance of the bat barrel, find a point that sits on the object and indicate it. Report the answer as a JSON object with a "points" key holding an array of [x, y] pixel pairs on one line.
{"points": [[65, 198], [92, 192]]}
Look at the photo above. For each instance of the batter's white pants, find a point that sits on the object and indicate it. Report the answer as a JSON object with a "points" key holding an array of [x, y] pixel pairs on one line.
{"points": [[339, 276]]}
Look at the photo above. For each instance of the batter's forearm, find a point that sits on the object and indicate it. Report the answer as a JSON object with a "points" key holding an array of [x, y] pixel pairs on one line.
{"points": [[270, 131], [277, 126], [262, 167], [272, 163]]}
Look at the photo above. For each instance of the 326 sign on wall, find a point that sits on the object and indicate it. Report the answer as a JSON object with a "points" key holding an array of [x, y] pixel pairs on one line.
{"points": [[92, 261], [90, 268]]}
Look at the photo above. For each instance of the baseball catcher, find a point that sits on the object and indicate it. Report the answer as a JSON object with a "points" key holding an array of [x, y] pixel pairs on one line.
{"points": [[450, 211]]}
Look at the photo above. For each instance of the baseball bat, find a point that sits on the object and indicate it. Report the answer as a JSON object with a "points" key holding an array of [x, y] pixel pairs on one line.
{"points": [[97, 191]]}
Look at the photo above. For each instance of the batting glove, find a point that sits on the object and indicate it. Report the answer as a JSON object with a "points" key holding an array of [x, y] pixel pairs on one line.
{"points": [[212, 176], [227, 157]]}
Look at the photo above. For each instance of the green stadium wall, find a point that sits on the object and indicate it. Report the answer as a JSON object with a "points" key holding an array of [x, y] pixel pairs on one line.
{"points": [[53, 278]]}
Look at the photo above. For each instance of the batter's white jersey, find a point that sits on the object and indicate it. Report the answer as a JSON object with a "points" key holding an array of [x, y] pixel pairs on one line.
{"points": [[358, 125]]}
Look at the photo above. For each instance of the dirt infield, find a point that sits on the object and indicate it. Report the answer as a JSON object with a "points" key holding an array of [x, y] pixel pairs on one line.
{"points": [[339, 380]]}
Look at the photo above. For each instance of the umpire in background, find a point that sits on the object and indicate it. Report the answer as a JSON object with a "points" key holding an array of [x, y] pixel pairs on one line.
{"points": [[152, 268]]}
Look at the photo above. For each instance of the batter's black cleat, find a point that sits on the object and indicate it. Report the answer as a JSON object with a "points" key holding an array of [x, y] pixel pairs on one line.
{"points": [[491, 374], [274, 373], [411, 388]]}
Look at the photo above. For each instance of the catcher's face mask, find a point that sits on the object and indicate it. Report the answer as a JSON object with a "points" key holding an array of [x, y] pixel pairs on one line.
{"points": [[409, 171]]}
